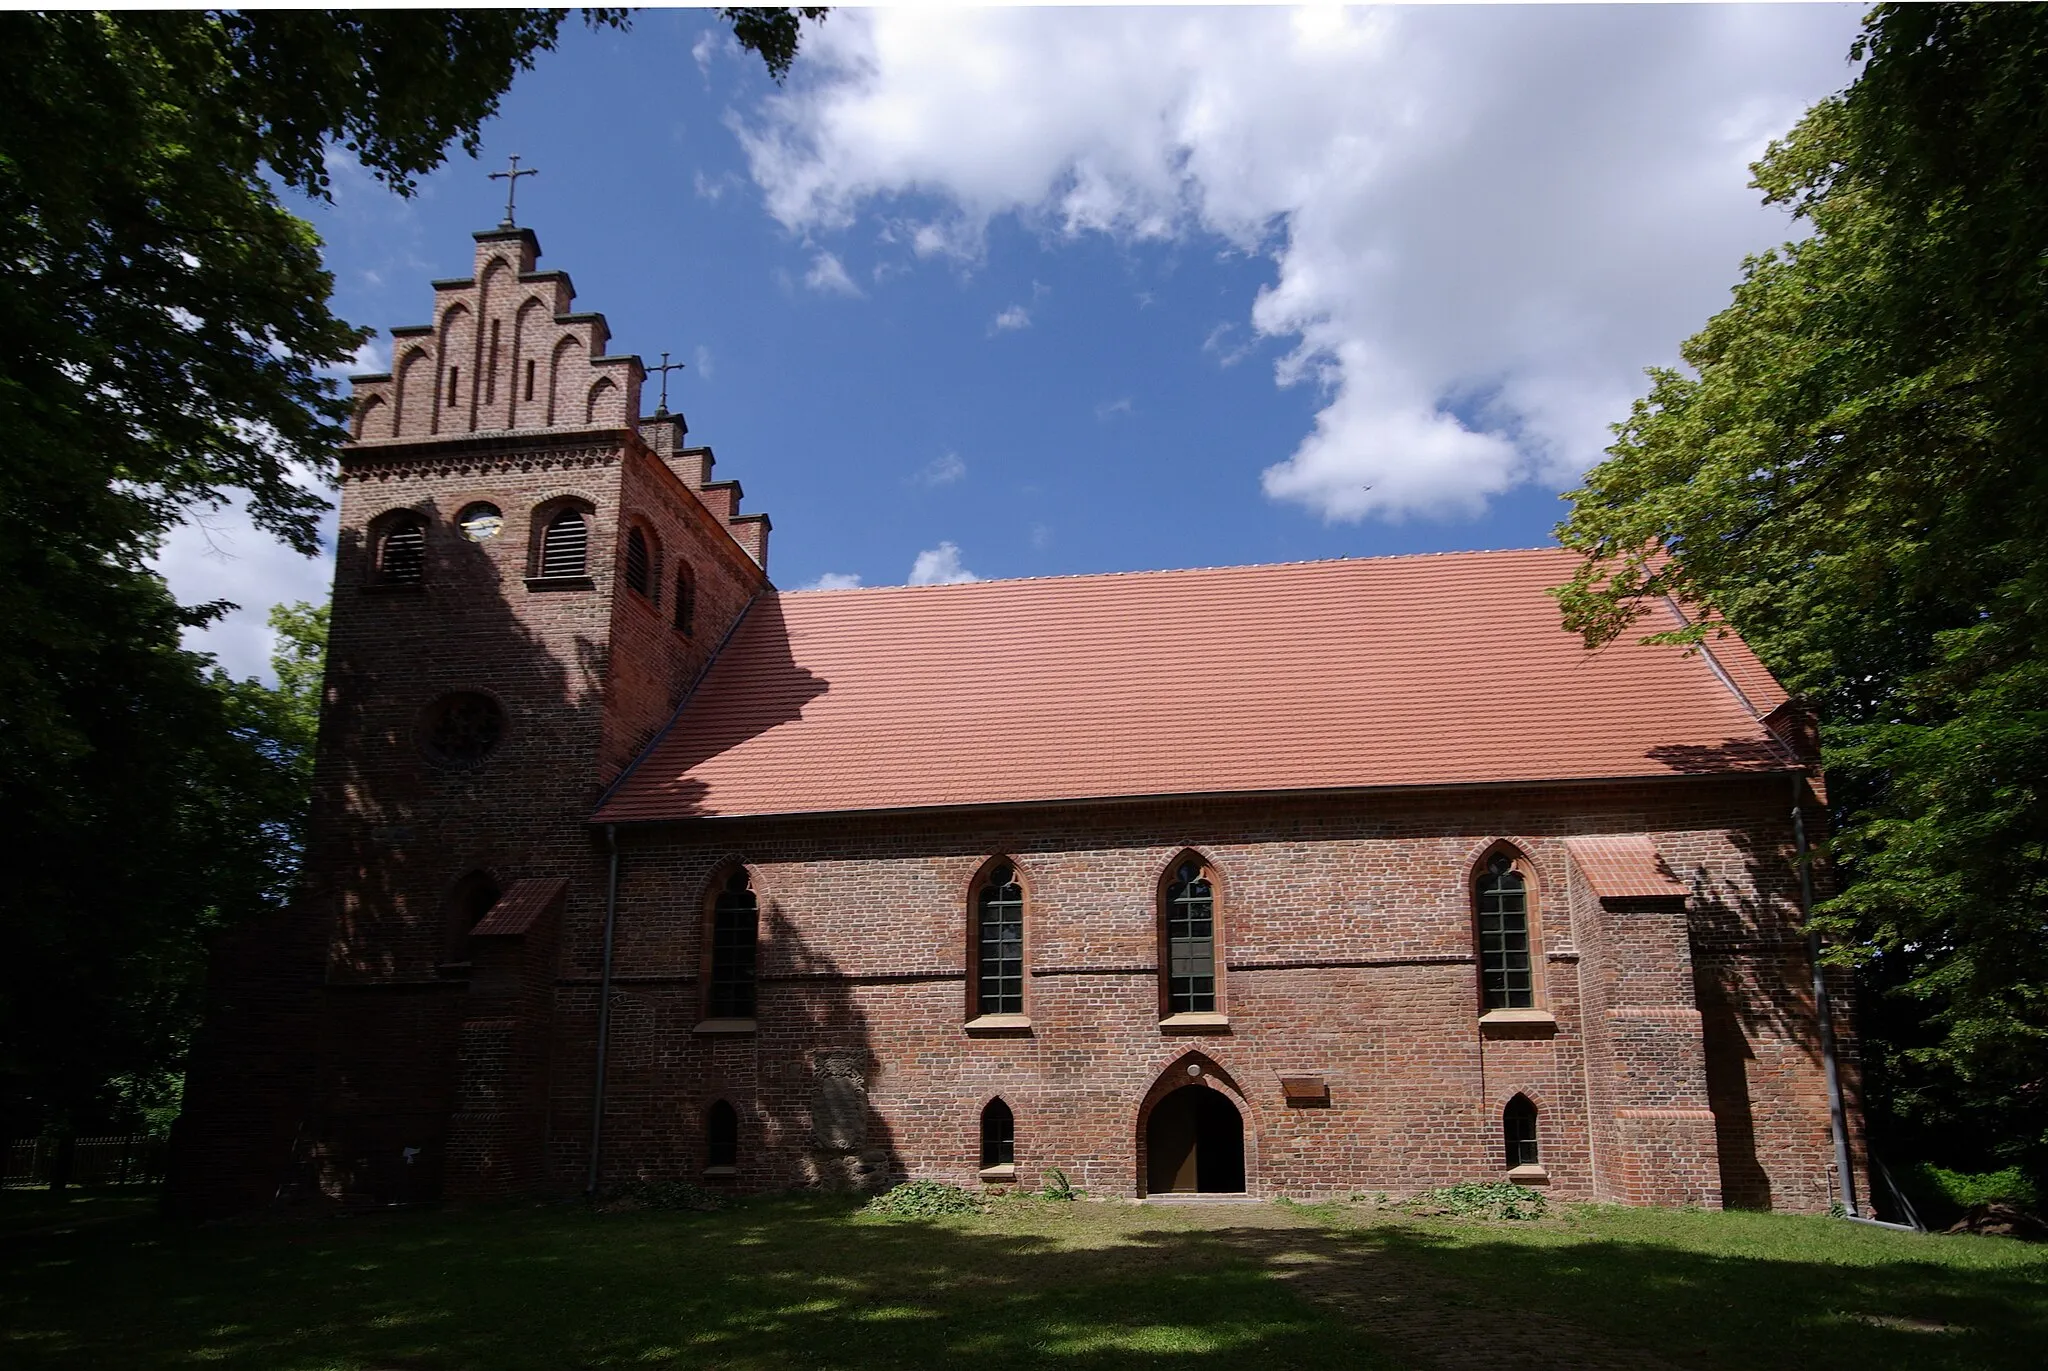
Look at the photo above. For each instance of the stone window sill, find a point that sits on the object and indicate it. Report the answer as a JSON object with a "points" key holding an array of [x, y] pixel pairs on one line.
{"points": [[717, 1173], [724, 1026], [1195, 1023], [396, 587], [999, 1175], [1529, 1175], [1526, 1020], [560, 583], [998, 1024]]}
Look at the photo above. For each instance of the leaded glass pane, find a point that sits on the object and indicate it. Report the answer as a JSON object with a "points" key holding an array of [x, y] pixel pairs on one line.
{"points": [[1000, 956], [1190, 942], [1504, 967], [733, 928]]}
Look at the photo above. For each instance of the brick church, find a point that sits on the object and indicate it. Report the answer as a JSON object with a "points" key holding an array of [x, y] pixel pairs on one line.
{"points": [[1309, 879]]}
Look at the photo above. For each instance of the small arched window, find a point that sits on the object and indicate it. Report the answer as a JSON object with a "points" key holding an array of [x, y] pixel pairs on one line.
{"points": [[721, 1137], [565, 545], [998, 1135], [637, 563], [734, 928], [999, 943], [686, 599], [1518, 1127], [473, 897], [1190, 914], [401, 551], [1505, 976]]}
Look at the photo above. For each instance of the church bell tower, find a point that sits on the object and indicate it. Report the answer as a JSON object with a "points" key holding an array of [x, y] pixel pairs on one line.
{"points": [[528, 576]]}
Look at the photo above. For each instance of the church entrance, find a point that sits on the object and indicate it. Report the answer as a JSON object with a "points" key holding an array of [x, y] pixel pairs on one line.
{"points": [[1194, 1143]]}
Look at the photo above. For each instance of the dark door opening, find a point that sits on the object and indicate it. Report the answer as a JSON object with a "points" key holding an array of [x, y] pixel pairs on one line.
{"points": [[1194, 1143]]}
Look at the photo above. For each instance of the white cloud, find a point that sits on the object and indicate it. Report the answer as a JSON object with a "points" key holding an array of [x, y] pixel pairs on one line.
{"points": [[1011, 319], [834, 580], [1483, 222], [1109, 409], [222, 555], [700, 358], [828, 275], [942, 470], [940, 566]]}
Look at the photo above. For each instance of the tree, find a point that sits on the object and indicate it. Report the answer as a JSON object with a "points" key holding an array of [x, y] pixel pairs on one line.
{"points": [[1853, 475], [167, 323]]}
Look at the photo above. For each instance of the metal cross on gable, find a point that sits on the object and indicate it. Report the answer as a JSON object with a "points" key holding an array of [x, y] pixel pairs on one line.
{"points": [[511, 180], [665, 368]]}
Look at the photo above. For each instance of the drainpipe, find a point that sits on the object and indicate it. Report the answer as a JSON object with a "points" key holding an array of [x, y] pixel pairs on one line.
{"points": [[604, 1009], [1838, 1115]]}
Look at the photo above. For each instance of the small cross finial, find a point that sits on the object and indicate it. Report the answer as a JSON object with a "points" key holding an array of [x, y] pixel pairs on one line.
{"points": [[665, 368], [511, 180]]}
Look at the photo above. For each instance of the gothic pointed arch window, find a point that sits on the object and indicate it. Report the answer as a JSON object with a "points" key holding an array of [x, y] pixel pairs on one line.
{"points": [[735, 931], [998, 943], [398, 549], [721, 1138], [1187, 915], [640, 563], [1518, 1131], [472, 898], [998, 1135], [1507, 975], [686, 599]]}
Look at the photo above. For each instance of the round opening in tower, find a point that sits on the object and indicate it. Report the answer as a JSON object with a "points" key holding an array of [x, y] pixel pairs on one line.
{"points": [[481, 521], [461, 729]]}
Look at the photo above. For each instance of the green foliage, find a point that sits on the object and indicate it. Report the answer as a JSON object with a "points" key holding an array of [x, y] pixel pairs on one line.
{"points": [[771, 31], [664, 1195], [1057, 1186], [923, 1200], [1501, 1200], [169, 351], [1942, 1195], [1851, 475]]}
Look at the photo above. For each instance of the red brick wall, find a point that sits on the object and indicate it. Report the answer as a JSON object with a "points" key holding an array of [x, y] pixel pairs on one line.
{"points": [[1348, 929]]}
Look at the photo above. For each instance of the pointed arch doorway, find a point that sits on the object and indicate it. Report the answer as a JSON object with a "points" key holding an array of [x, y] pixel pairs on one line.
{"points": [[1194, 1144]]}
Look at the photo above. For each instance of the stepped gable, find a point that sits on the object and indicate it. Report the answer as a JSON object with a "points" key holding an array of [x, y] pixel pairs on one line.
{"points": [[1450, 669], [505, 352]]}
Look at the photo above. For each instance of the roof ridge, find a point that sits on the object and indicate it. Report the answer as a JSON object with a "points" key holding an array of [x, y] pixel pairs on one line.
{"points": [[1173, 571]]}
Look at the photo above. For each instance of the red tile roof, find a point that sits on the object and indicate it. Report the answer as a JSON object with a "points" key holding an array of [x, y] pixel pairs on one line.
{"points": [[1398, 671], [519, 906], [1624, 867]]}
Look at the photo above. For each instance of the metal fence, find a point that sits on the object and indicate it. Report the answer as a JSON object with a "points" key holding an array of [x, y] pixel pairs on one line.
{"points": [[123, 1159]]}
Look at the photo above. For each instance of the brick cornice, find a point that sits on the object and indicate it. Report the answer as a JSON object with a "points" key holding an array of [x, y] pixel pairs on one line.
{"points": [[529, 450]]}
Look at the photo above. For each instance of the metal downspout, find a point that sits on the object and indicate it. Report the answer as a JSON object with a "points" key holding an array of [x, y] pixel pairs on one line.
{"points": [[1838, 1116], [604, 1009]]}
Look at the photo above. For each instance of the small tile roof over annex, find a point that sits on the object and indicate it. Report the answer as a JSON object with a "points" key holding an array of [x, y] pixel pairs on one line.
{"points": [[1624, 866], [1446, 669]]}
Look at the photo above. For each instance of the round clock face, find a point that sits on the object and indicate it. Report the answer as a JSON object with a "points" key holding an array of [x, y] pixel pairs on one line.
{"points": [[480, 522]]}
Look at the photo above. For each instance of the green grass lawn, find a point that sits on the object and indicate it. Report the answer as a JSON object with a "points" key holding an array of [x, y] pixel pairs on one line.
{"points": [[804, 1283]]}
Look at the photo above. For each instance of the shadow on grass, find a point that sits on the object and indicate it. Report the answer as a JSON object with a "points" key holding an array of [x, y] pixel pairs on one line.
{"points": [[1748, 1290], [800, 1282], [782, 1283]]}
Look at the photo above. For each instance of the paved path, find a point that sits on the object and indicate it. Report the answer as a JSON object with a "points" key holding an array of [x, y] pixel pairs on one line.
{"points": [[1424, 1319]]}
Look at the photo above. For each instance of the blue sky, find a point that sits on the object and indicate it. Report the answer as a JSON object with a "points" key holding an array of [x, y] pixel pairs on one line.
{"points": [[1037, 292]]}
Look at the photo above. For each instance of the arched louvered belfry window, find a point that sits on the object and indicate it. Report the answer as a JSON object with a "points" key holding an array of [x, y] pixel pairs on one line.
{"points": [[1518, 1128], [565, 545], [998, 1135], [638, 564], [721, 1137], [1506, 975], [686, 599], [1189, 898], [999, 942], [735, 919], [401, 551]]}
